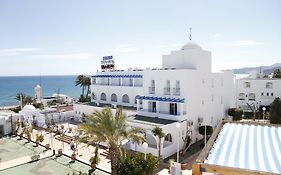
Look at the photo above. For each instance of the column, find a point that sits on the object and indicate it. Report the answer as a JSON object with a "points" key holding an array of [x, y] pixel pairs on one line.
{"points": [[133, 82], [121, 79], [181, 108], [157, 107], [138, 104]]}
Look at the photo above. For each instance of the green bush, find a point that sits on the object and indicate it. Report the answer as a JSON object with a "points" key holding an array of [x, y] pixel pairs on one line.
{"points": [[137, 165], [275, 111], [236, 113]]}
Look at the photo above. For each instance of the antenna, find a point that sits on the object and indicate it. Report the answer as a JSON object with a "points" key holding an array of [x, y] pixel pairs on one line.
{"points": [[190, 34]]}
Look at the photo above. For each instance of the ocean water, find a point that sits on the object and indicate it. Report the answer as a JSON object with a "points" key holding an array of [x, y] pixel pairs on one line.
{"points": [[10, 86]]}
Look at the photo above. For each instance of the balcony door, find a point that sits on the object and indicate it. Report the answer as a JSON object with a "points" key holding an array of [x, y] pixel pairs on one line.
{"points": [[152, 106], [173, 109]]}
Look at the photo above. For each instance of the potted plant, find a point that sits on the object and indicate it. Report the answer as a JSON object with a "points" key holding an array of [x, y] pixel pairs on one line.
{"points": [[73, 156], [59, 151], [95, 159], [28, 135], [47, 146], [62, 126], [39, 138]]}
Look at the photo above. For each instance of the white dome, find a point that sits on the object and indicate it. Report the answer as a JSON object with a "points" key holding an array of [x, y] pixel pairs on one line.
{"points": [[191, 45], [29, 108], [37, 87]]}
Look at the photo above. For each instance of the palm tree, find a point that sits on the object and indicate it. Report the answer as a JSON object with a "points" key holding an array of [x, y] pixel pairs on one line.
{"points": [[104, 127], [79, 82], [87, 83], [25, 98], [157, 131]]}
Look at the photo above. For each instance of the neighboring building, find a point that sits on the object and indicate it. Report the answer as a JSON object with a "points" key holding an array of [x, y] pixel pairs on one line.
{"points": [[241, 148], [7, 121], [256, 92], [184, 90]]}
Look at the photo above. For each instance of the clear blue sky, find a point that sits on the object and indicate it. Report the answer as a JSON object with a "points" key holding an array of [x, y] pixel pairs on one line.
{"points": [[70, 36]]}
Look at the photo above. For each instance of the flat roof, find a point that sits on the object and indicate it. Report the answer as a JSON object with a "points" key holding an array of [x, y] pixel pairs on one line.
{"points": [[149, 120], [247, 146]]}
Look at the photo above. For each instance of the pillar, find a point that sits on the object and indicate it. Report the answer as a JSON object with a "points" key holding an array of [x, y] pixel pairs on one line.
{"points": [[138, 104]]}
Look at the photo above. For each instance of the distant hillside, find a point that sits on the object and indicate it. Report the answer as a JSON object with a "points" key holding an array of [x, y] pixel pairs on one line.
{"points": [[266, 69]]}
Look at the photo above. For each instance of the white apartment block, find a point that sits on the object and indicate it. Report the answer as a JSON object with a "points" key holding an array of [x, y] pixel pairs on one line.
{"points": [[184, 90], [256, 92]]}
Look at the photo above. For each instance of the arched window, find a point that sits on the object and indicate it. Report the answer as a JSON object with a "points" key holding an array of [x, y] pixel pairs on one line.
{"points": [[252, 96], [269, 85], [241, 96], [103, 97], [125, 99], [113, 97], [168, 138]]}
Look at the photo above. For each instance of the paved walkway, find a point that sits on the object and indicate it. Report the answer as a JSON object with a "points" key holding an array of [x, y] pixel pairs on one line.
{"points": [[84, 151], [23, 160]]}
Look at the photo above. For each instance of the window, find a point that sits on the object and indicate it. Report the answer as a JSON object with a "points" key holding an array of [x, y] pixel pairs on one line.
{"points": [[241, 96], [252, 97], [271, 94], [269, 85], [137, 98], [168, 83], [125, 99], [178, 84], [262, 94], [247, 84], [103, 97], [114, 98], [94, 80], [267, 94], [168, 138]]}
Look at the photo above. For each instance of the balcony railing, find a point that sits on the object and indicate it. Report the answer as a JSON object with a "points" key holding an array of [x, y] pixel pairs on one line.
{"points": [[151, 90], [167, 91], [176, 91]]}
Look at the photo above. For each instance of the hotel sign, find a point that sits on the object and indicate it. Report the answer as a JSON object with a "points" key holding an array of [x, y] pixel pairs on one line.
{"points": [[107, 63]]}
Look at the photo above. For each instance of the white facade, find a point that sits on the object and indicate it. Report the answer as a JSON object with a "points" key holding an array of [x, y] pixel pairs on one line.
{"points": [[184, 89], [256, 91]]}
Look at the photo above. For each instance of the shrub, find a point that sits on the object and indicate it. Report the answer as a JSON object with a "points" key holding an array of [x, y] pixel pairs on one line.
{"points": [[275, 111], [236, 113]]}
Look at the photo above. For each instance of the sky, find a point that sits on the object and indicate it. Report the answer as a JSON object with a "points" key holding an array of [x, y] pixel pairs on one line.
{"points": [[70, 37]]}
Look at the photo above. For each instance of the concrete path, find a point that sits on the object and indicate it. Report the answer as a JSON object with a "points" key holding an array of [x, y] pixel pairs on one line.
{"points": [[23, 160]]}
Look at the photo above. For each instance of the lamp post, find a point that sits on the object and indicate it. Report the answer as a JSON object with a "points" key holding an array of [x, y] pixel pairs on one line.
{"points": [[178, 125], [145, 146], [263, 109]]}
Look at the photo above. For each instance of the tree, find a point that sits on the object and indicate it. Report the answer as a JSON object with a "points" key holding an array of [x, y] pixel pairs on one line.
{"points": [[209, 131], [84, 82], [25, 98], [137, 165], [275, 111], [277, 73], [236, 113], [157, 131], [102, 126]]}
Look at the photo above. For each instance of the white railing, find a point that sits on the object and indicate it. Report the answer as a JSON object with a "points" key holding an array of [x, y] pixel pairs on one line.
{"points": [[176, 91], [151, 90], [167, 91]]}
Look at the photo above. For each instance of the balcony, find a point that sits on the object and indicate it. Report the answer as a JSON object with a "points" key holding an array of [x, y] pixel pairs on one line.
{"points": [[151, 90], [162, 114], [167, 91], [176, 91]]}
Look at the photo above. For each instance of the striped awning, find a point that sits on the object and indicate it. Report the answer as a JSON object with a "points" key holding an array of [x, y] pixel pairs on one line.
{"points": [[245, 146], [118, 76], [164, 99]]}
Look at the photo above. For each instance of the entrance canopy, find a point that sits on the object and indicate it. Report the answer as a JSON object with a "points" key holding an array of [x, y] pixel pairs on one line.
{"points": [[164, 99]]}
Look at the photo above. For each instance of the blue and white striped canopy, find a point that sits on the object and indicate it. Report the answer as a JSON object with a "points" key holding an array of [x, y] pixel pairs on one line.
{"points": [[165, 99], [245, 146], [117, 76]]}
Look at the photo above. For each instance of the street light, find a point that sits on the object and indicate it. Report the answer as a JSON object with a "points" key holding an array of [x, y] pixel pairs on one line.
{"points": [[263, 109], [178, 125], [145, 146]]}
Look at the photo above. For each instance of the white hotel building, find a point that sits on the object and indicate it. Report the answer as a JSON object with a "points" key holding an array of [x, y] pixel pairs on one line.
{"points": [[256, 92], [184, 90]]}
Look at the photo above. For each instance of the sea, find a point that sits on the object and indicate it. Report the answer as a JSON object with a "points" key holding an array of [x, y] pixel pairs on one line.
{"points": [[10, 86]]}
